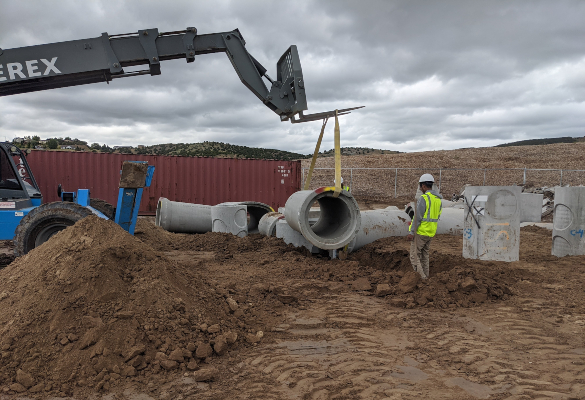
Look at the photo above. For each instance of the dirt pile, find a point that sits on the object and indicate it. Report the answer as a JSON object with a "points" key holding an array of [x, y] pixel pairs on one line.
{"points": [[94, 307], [454, 281]]}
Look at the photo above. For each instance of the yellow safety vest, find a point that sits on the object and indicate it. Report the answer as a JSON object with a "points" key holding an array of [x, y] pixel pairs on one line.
{"points": [[345, 187], [434, 207]]}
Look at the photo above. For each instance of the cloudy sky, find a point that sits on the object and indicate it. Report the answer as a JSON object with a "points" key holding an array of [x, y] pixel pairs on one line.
{"points": [[432, 74]]}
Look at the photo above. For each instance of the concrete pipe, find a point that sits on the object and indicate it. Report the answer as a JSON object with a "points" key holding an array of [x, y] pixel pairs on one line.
{"points": [[290, 236], [256, 211], [267, 224], [177, 217], [339, 218], [451, 221], [230, 219], [379, 224]]}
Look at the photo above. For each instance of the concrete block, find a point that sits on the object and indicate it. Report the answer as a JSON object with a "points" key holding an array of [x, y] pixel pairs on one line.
{"points": [[530, 207]]}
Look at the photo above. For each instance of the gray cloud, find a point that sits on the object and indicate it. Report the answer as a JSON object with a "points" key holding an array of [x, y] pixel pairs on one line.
{"points": [[433, 75]]}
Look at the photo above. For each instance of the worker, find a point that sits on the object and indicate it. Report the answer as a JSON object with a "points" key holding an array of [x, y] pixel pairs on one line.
{"points": [[424, 225], [343, 187]]}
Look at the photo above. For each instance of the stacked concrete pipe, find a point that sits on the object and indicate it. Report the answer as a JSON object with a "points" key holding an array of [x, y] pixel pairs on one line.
{"points": [[339, 218]]}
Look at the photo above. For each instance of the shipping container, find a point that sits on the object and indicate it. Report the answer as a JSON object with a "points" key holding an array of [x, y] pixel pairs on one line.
{"points": [[199, 180]]}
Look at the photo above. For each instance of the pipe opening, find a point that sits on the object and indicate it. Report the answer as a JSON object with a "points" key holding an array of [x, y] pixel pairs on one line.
{"points": [[334, 221]]}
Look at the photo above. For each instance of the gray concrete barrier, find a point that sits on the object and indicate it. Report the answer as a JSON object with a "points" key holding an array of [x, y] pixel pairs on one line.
{"points": [[230, 219]]}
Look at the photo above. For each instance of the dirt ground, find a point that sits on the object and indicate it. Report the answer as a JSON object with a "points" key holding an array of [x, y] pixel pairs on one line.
{"points": [[306, 327]]}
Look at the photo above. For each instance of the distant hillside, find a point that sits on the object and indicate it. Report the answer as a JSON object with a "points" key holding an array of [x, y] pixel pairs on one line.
{"points": [[356, 151], [215, 149], [535, 142]]}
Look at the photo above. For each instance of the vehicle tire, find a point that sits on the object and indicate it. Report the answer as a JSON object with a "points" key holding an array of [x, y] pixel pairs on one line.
{"points": [[104, 207], [43, 222]]}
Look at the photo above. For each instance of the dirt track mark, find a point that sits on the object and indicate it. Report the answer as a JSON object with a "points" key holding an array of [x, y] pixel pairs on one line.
{"points": [[349, 346]]}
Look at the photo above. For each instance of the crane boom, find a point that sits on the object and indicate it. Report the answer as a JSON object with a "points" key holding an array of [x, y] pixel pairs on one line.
{"points": [[102, 59]]}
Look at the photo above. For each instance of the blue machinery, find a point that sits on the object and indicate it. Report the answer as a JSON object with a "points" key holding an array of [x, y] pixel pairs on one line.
{"points": [[129, 200], [135, 176]]}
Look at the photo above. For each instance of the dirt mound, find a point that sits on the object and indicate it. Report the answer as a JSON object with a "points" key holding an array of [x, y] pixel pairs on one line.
{"points": [[454, 281], [94, 307]]}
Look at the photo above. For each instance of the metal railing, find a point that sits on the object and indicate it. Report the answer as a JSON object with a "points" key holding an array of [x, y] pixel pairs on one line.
{"points": [[395, 182]]}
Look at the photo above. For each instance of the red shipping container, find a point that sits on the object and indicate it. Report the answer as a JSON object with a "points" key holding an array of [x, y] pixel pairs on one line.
{"points": [[198, 180]]}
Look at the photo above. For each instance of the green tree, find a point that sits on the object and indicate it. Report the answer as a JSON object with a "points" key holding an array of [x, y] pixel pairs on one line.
{"points": [[52, 143], [96, 146]]}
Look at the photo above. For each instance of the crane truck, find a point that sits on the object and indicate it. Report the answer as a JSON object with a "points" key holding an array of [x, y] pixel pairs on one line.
{"points": [[23, 217]]}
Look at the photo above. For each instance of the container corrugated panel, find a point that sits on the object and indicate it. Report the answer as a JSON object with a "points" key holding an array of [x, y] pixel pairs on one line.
{"points": [[198, 180]]}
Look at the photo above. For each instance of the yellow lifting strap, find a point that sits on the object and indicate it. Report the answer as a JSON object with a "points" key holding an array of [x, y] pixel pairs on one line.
{"points": [[309, 176], [337, 143]]}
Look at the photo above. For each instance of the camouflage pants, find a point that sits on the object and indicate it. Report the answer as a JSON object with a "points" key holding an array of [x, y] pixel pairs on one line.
{"points": [[419, 254]]}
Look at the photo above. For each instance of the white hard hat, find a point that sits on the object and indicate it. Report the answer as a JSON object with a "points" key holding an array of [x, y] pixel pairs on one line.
{"points": [[341, 180], [426, 178]]}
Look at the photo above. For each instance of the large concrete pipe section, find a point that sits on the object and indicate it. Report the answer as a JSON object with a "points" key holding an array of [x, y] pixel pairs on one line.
{"points": [[339, 218], [451, 221], [177, 217], [379, 224], [267, 224], [256, 211]]}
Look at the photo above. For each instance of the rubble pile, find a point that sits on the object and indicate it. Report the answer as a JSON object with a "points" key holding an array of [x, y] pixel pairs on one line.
{"points": [[454, 281]]}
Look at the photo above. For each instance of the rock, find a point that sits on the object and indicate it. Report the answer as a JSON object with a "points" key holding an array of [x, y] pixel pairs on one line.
{"points": [[361, 284], [24, 379], [220, 345], [251, 338], [399, 303], [452, 286], [286, 298], [124, 314], [478, 297], [231, 337], [128, 370], [468, 283], [192, 365], [421, 300], [169, 364], [213, 328], [136, 361], [203, 351], [64, 341], [232, 304], [408, 282], [191, 346], [134, 351], [37, 388], [383, 289], [187, 353], [177, 355], [17, 387], [160, 356], [239, 313], [90, 337], [206, 374]]}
